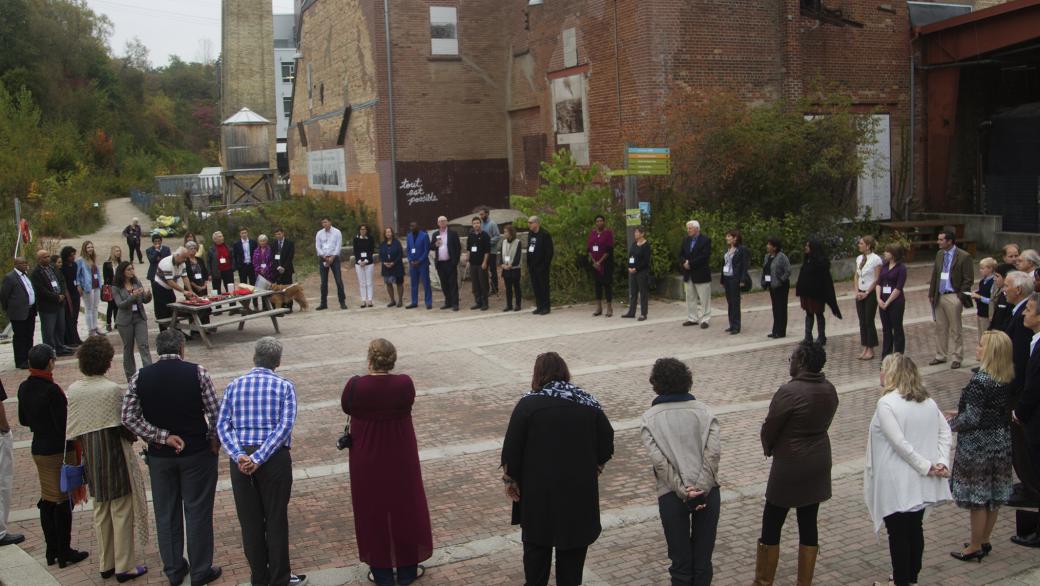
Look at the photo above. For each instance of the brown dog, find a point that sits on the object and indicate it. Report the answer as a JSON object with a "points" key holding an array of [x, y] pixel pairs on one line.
{"points": [[284, 293]]}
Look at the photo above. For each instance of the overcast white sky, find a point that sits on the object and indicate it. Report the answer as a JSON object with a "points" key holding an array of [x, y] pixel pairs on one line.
{"points": [[168, 27]]}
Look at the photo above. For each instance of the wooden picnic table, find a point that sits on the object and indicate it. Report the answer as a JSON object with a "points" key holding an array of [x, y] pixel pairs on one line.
{"points": [[234, 310]]}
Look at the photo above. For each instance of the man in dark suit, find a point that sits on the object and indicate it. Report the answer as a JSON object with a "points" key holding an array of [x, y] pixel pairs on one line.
{"points": [[18, 300], [952, 276], [693, 258], [156, 253], [49, 288], [1027, 411], [283, 251], [243, 252], [539, 260], [447, 247], [1017, 287]]}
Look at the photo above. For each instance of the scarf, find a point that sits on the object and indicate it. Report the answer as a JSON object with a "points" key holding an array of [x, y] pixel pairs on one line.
{"points": [[565, 390], [672, 398]]}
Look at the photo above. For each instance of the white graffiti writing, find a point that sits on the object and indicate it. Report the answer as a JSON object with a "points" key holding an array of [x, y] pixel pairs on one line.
{"points": [[414, 191]]}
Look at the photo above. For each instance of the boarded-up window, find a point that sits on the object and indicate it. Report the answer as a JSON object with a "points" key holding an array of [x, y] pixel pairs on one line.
{"points": [[444, 30], [534, 154]]}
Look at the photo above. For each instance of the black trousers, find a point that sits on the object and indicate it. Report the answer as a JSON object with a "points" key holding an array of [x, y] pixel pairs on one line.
{"points": [[224, 280], [111, 312], [570, 564], [778, 299], [892, 336], [866, 309], [478, 276], [639, 290], [134, 246], [262, 504], [820, 321], [161, 298], [905, 545], [604, 284], [773, 518], [732, 287], [493, 273], [690, 537], [540, 284], [511, 279], [24, 330], [183, 488], [448, 273]]}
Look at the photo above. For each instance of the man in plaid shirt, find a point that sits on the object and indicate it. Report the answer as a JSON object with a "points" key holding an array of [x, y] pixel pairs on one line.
{"points": [[255, 425]]}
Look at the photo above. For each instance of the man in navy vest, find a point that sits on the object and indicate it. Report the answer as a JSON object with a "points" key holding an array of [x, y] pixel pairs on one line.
{"points": [[172, 406]]}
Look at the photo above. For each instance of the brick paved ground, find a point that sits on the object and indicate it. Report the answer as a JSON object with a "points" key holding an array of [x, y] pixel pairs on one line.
{"points": [[467, 386]]}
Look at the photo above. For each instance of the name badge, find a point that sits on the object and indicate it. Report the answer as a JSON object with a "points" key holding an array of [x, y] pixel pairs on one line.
{"points": [[727, 271], [278, 257], [54, 284], [944, 276], [413, 251], [769, 278], [198, 276], [364, 255], [505, 259], [530, 248], [595, 248], [263, 266], [472, 248], [886, 290], [223, 261], [631, 260], [133, 307]]}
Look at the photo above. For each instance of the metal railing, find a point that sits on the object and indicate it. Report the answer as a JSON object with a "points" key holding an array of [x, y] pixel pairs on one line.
{"points": [[208, 185]]}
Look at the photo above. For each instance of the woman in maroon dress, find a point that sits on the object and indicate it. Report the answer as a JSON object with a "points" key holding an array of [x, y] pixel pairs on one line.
{"points": [[391, 517]]}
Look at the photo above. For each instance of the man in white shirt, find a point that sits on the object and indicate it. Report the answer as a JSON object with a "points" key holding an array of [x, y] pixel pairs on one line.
{"points": [[448, 249], [328, 243], [18, 301], [171, 275]]}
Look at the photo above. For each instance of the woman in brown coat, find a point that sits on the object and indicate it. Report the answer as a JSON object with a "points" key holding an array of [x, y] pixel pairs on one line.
{"points": [[795, 435]]}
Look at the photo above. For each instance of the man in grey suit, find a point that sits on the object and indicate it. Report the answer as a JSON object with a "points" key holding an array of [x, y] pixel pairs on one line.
{"points": [[18, 301]]}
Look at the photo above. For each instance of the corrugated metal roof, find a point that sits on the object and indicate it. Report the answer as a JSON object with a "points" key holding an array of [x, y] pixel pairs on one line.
{"points": [[246, 116]]}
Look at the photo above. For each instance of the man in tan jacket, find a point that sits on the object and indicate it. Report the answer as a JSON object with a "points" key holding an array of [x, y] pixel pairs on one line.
{"points": [[952, 277]]}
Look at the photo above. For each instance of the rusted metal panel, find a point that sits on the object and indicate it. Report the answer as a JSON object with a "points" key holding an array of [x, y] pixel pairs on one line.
{"points": [[943, 86], [427, 189], [976, 34]]}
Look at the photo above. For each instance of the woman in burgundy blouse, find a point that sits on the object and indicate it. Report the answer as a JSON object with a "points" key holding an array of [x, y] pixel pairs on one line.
{"points": [[391, 517], [600, 246]]}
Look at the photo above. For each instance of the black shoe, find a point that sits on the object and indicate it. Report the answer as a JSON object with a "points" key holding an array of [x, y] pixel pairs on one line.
{"points": [[108, 574], [975, 556], [704, 325], [477, 306], [64, 352], [214, 575], [1031, 540], [689, 323], [454, 307], [641, 318], [770, 335], [629, 314], [341, 306], [986, 548], [11, 539], [510, 308], [821, 341], [429, 307], [411, 306], [734, 331], [538, 312], [484, 307], [391, 304], [517, 308], [321, 308], [128, 576], [71, 557], [976, 369], [728, 330], [445, 307]]}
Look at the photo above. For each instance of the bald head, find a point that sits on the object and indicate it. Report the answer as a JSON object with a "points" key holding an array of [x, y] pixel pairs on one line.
{"points": [[43, 258]]}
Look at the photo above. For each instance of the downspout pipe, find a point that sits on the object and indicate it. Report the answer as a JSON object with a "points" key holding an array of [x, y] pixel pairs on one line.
{"points": [[390, 106]]}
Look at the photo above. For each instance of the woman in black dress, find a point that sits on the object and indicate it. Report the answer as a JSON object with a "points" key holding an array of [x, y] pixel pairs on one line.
{"points": [[72, 299], [108, 271], [815, 288]]}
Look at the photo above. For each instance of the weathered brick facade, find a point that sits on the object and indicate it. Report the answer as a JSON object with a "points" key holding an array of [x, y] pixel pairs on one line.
{"points": [[247, 61], [462, 121]]}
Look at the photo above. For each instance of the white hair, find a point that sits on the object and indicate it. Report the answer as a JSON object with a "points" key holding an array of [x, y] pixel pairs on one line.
{"points": [[534, 220], [181, 251], [215, 234], [261, 237], [1019, 280], [693, 224], [439, 218]]}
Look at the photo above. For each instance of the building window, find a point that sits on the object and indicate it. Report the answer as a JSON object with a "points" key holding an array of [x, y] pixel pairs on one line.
{"points": [[288, 71], [287, 106], [444, 30]]}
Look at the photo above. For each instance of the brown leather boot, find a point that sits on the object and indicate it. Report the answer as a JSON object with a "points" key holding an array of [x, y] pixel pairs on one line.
{"points": [[806, 564], [765, 564], [610, 309], [599, 308]]}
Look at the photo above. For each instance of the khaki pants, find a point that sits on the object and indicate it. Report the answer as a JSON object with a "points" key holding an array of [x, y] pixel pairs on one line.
{"points": [[948, 328], [114, 526], [983, 324], [698, 301]]}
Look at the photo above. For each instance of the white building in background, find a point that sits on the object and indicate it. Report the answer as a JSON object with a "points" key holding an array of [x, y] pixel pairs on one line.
{"points": [[285, 70]]}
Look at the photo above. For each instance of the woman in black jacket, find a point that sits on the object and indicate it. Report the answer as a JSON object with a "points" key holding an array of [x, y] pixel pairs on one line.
{"points": [[815, 287], [557, 443], [108, 271], [734, 271], [638, 274], [72, 297]]}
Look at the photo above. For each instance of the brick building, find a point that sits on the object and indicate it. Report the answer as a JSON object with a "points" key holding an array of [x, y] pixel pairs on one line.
{"points": [[483, 90]]}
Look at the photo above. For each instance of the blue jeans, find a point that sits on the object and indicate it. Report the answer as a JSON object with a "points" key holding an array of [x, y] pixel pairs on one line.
{"points": [[421, 273], [323, 271]]}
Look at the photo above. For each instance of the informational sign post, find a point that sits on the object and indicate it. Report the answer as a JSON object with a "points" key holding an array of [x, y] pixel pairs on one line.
{"points": [[640, 162]]}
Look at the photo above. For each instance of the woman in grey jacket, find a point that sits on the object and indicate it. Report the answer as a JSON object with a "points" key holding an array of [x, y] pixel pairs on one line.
{"points": [[131, 322], [682, 436], [776, 278]]}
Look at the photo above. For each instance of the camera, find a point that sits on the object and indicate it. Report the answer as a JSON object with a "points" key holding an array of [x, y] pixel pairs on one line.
{"points": [[344, 441]]}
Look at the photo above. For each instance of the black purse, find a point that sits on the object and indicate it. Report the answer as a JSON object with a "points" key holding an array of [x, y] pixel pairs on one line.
{"points": [[345, 441]]}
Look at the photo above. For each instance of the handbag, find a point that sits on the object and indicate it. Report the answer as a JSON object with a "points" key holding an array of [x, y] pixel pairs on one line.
{"points": [[106, 292], [346, 441], [73, 476]]}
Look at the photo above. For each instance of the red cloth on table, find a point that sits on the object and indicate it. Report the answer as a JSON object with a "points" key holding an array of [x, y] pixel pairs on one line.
{"points": [[391, 516]]}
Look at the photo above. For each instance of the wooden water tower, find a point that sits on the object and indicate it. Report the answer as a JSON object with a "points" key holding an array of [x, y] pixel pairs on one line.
{"points": [[246, 152]]}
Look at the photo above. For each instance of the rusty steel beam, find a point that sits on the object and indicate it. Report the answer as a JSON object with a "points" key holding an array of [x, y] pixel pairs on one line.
{"points": [[979, 33]]}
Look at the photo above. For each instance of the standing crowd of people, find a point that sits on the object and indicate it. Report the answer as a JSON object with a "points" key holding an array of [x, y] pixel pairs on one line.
{"points": [[558, 439]]}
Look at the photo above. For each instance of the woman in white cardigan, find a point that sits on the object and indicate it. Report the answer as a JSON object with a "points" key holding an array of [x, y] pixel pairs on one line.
{"points": [[908, 461]]}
